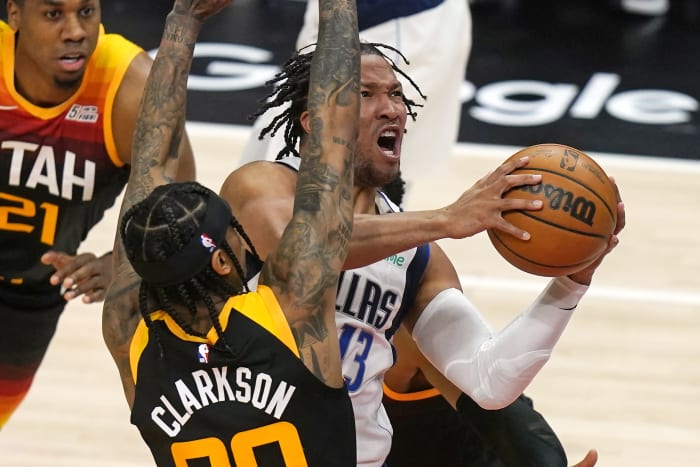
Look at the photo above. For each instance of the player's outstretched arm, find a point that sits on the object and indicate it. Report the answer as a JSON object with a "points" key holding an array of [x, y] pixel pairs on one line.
{"points": [[453, 334], [477, 209], [303, 270], [159, 130], [124, 115], [266, 210]]}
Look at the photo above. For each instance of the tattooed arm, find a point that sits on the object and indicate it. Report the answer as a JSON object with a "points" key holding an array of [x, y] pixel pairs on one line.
{"points": [[155, 150], [303, 270]]}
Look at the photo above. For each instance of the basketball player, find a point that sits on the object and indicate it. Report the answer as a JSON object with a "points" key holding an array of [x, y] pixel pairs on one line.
{"points": [[69, 94], [436, 37], [210, 370], [447, 427], [419, 286]]}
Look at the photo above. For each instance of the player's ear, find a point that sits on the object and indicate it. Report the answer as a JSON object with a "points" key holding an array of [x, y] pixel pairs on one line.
{"points": [[13, 14], [305, 120], [220, 263]]}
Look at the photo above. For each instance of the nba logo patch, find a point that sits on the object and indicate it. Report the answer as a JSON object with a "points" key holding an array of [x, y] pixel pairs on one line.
{"points": [[203, 353], [207, 242]]}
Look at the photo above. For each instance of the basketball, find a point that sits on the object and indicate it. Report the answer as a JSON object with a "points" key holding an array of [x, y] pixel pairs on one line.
{"points": [[578, 215]]}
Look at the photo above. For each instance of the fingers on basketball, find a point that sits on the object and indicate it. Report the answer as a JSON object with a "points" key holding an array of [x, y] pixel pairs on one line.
{"points": [[578, 217]]}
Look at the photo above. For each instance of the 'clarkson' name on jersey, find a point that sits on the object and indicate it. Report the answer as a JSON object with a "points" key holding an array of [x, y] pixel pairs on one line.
{"points": [[211, 386]]}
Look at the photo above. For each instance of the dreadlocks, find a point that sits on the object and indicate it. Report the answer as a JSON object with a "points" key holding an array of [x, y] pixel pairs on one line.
{"points": [[292, 85], [158, 233]]}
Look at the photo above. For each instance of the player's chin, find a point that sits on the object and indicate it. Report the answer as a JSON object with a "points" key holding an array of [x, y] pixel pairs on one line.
{"points": [[389, 167], [69, 81], [375, 176]]}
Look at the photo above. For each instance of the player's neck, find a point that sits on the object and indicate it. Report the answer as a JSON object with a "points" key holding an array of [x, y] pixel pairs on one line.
{"points": [[200, 322], [363, 198]]}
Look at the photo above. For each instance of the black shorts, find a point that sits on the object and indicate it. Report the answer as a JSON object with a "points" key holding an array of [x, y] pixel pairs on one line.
{"points": [[28, 319], [28, 322]]}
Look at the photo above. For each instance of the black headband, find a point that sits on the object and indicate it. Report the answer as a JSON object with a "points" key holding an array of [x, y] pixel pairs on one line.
{"points": [[189, 261]]}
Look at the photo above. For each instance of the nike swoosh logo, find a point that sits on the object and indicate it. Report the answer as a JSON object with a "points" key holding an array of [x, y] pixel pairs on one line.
{"points": [[8, 107]]}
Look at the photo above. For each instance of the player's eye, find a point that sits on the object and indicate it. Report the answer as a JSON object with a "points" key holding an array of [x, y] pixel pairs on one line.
{"points": [[87, 11]]}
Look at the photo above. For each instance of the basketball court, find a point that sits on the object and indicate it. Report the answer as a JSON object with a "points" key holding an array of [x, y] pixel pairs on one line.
{"points": [[624, 378]]}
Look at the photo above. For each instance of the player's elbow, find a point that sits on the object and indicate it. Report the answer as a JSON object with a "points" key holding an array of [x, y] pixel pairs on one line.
{"points": [[498, 384]]}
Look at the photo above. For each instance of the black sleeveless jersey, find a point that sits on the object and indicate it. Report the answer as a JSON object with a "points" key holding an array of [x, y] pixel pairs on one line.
{"points": [[253, 403], [428, 431]]}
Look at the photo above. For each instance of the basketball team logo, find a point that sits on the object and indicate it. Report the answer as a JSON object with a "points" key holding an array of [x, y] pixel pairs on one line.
{"points": [[569, 160], [203, 353]]}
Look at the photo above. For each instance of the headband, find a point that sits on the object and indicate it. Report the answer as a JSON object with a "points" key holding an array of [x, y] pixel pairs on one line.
{"points": [[193, 257]]}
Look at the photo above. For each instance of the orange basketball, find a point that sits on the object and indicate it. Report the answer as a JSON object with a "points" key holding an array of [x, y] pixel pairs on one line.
{"points": [[577, 218]]}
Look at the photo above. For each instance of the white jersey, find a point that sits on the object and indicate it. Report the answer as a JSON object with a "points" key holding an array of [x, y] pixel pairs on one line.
{"points": [[369, 307], [370, 304]]}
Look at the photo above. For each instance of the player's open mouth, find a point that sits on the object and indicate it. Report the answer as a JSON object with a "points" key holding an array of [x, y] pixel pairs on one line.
{"points": [[72, 62], [387, 142]]}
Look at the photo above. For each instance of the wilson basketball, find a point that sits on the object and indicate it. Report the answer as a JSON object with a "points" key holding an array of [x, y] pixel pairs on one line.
{"points": [[577, 218]]}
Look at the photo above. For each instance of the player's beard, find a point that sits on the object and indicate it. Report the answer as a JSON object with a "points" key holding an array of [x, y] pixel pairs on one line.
{"points": [[368, 176], [71, 83]]}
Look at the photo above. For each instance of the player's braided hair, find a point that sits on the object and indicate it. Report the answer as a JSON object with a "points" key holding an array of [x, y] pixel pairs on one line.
{"points": [[291, 85], [161, 226]]}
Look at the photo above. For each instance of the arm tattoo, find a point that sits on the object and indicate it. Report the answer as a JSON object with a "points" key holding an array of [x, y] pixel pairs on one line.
{"points": [[307, 262], [159, 130], [161, 120]]}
